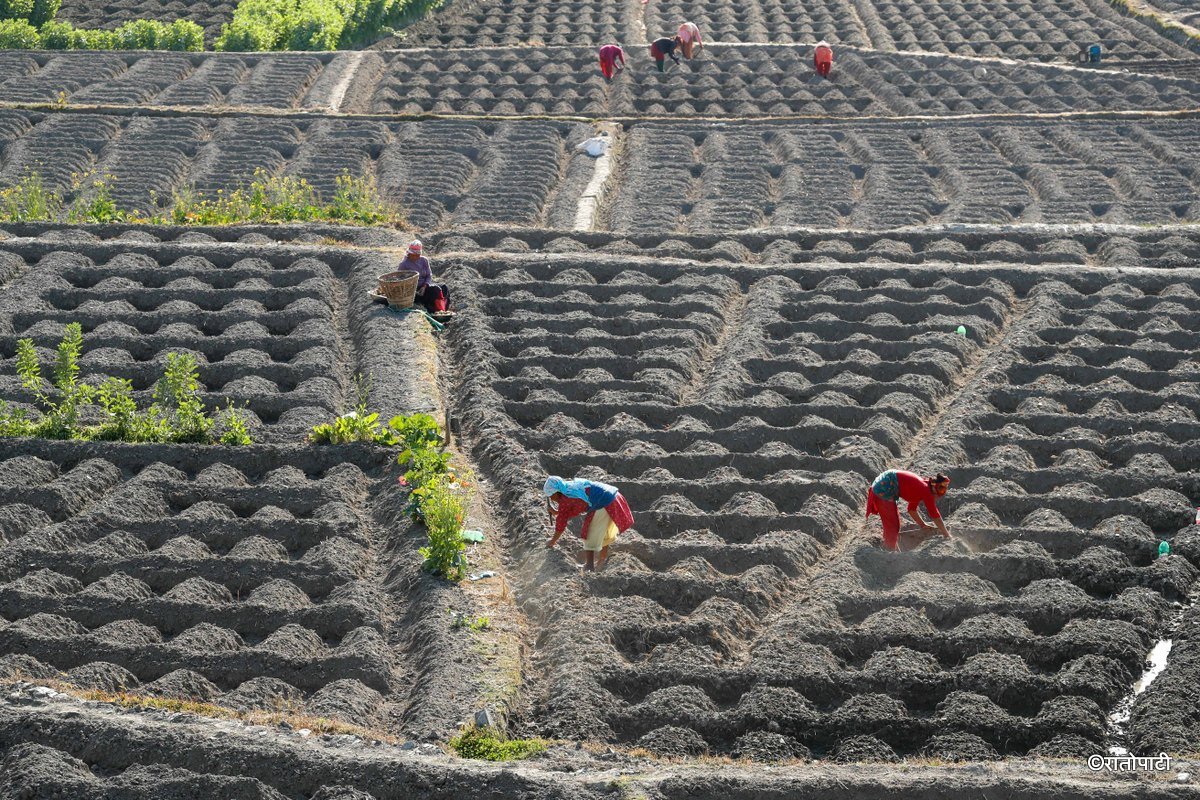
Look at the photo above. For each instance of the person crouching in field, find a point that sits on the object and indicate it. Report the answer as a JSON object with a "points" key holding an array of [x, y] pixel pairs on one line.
{"points": [[661, 48], [434, 296], [610, 54], [689, 39], [823, 59], [607, 515], [895, 485]]}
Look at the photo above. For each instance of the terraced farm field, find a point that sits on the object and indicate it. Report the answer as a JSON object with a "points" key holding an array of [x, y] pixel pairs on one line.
{"points": [[962, 252]]}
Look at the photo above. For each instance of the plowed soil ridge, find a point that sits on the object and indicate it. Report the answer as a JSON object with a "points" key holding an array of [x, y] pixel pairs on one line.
{"points": [[743, 507]]}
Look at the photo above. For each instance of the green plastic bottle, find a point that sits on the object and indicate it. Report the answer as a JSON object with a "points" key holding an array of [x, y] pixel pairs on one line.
{"points": [[962, 330], [1164, 548]]}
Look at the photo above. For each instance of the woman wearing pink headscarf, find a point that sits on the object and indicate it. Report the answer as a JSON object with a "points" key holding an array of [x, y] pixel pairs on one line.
{"points": [[689, 39]]}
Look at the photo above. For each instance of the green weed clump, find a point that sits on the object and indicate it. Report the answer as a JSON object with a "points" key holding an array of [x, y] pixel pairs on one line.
{"points": [[313, 24], [177, 415], [438, 494], [267, 199], [444, 508], [30, 200], [284, 198], [489, 744]]}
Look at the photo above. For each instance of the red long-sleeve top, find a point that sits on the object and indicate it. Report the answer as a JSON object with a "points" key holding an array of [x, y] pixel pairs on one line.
{"points": [[568, 509], [915, 489]]}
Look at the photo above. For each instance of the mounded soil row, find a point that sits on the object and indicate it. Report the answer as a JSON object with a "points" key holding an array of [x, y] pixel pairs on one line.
{"points": [[258, 578], [1017, 29], [1163, 248], [686, 179], [1020, 29], [497, 172], [752, 81], [91, 751], [703, 635]]}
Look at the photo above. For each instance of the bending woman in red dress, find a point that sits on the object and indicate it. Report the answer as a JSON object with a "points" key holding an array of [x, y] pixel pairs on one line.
{"points": [[610, 54], [895, 485], [607, 515]]}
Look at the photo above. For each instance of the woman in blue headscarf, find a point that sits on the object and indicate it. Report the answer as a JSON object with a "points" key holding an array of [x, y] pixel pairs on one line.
{"points": [[607, 514]]}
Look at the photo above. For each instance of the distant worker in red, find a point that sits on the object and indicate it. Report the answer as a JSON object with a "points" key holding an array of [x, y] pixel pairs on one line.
{"points": [[661, 48], [610, 55], [689, 39], [607, 515], [895, 485], [823, 58]]}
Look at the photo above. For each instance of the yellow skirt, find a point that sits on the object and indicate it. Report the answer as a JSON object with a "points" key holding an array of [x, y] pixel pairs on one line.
{"points": [[601, 532]]}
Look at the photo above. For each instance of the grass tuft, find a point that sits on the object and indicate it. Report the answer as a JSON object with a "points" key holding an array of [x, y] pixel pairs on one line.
{"points": [[489, 744]]}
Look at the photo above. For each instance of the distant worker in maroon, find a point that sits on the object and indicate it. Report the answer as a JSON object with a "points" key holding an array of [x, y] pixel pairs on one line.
{"points": [[661, 48], [823, 58], [610, 54], [895, 485]]}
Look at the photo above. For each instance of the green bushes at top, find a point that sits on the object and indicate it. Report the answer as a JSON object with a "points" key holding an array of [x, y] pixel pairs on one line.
{"points": [[140, 34], [36, 12], [64, 400], [310, 24], [17, 34]]}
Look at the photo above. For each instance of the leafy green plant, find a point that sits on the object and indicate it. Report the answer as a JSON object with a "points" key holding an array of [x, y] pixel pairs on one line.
{"points": [[43, 11], [125, 423], [357, 201], [183, 35], [177, 415], [490, 744], [355, 426], [477, 624], [177, 398], [94, 204], [236, 432], [62, 400], [30, 200], [57, 35], [443, 505], [18, 35]]}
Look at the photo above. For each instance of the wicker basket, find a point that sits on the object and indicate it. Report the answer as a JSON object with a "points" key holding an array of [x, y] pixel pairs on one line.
{"points": [[400, 288]]}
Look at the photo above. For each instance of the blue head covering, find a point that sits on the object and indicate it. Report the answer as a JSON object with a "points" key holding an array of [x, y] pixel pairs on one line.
{"points": [[601, 495]]}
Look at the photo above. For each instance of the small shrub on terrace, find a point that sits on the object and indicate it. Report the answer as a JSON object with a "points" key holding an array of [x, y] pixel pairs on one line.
{"points": [[44, 11], [139, 34], [177, 397], [315, 25], [18, 34], [62, 401], [95, 204], [95, 39], [236, 431], [358, 425], [30, 200], [183, 35], [59, 35], [125, 423], [489, 744], [443, 504], [357, 201]]}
